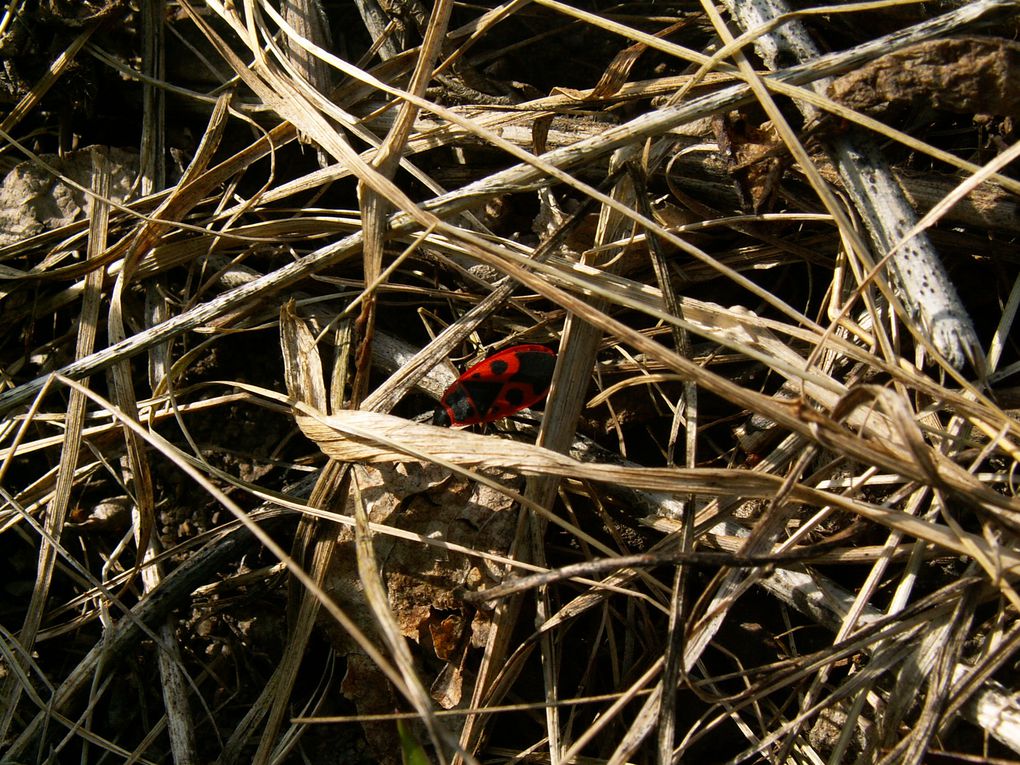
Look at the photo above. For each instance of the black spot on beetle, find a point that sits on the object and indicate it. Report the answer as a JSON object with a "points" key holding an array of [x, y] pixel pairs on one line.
{"points": [[514, 396]]}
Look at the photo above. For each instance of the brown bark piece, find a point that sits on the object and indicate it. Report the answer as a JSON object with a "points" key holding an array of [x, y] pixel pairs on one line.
{"points": [[968, 75]]}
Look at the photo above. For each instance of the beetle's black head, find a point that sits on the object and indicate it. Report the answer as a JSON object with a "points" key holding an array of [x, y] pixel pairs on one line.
{"points": [[441, 417]]}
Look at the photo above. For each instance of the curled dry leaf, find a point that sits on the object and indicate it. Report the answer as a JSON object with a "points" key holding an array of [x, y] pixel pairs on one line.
{"points": [[450, 514], [755, 155], [110, 513]]}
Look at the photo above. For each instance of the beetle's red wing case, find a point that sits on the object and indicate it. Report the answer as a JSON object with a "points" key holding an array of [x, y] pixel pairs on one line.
{"points": [[496, 387]]}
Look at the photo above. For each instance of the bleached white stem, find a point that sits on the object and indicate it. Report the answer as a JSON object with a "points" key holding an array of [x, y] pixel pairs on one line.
{"points": [[871, 185]]}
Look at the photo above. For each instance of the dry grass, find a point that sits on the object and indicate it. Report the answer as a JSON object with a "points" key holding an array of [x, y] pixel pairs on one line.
{"points": [[768, 512]]}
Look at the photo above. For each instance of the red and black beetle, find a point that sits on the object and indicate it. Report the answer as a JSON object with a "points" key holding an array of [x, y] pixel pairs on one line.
{"points": [[496, 387]]}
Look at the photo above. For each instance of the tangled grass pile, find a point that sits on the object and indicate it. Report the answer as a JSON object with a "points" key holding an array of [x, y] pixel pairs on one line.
{"points": [[768, 510]]}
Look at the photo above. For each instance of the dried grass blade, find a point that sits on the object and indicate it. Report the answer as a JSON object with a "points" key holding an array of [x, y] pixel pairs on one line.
{"points": [[56, 70], [385, 163], [313, 546], [578, 347], [153, 145], [932, 665], [674, 665], [308, 19], [75, 419], [302, 366], [378, 601], [364, 436]]}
